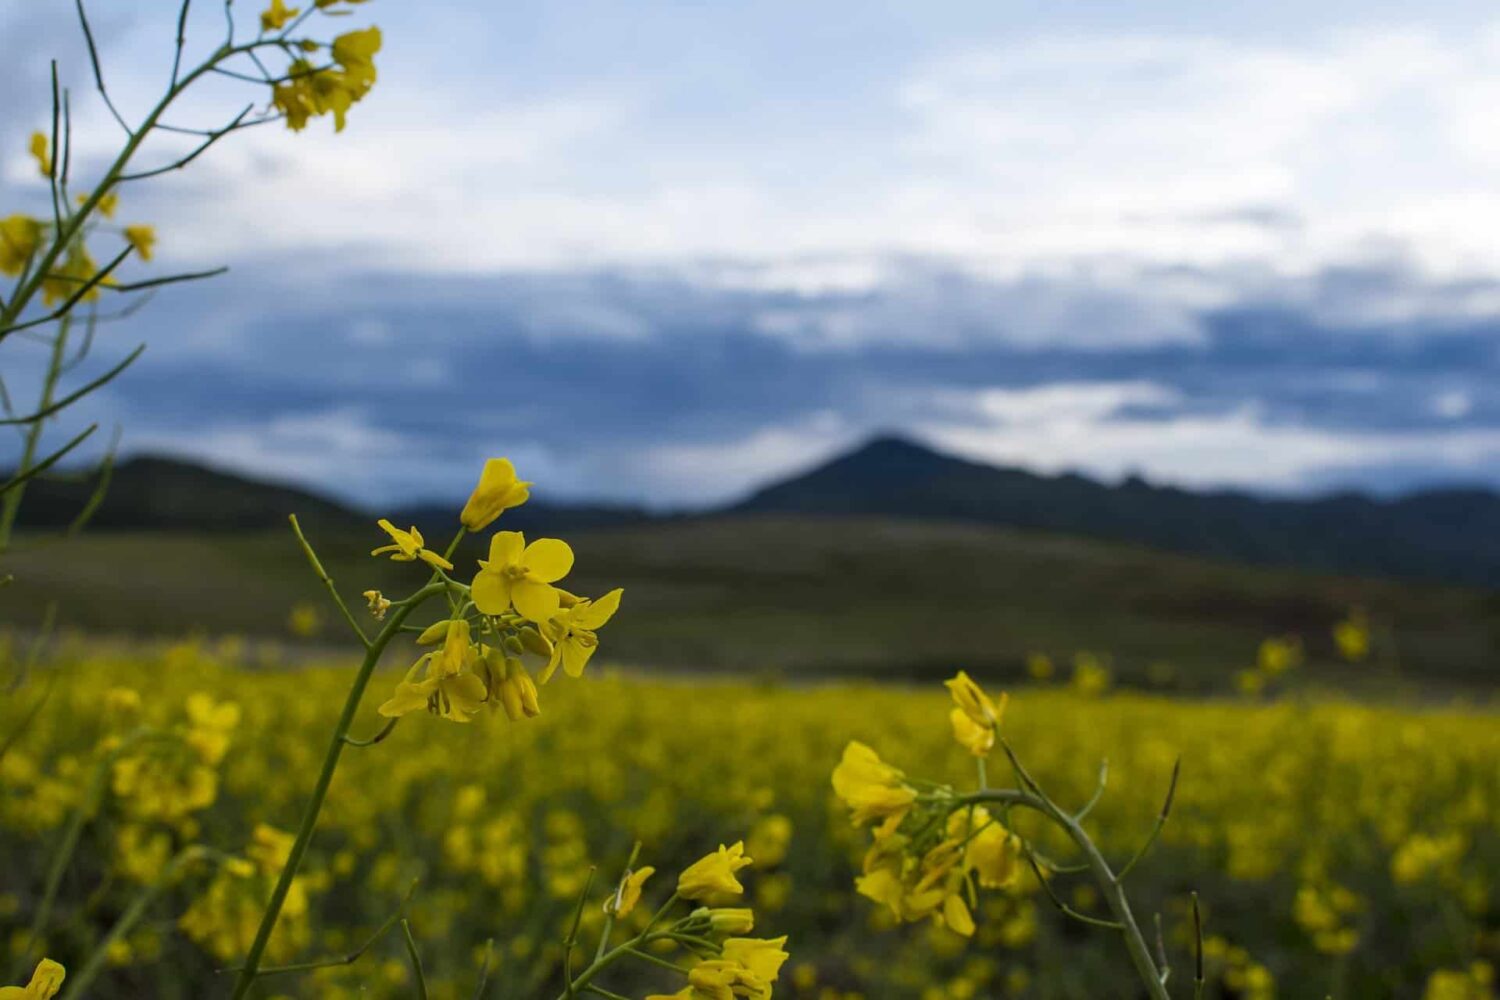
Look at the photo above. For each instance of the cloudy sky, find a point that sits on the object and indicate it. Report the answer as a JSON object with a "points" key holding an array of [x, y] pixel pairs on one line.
{"points": [[661, 252]]}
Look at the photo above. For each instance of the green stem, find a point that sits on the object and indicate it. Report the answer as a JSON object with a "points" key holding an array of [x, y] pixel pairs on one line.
{"points": [[12, 501], [73, 224], [80, 981], [320, 790], [1104, 876], [68, 846], [416, 960]]}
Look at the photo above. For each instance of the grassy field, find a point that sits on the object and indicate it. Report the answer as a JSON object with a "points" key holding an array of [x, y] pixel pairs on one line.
{"points": [[794, 597], [1340, 850]]}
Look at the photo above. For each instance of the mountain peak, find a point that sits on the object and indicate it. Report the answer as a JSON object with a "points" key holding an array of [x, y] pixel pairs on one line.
{"points": [[1440, 535]]}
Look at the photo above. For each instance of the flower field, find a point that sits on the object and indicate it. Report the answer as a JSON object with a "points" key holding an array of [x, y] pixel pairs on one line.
{"points": [[1337, 848]]}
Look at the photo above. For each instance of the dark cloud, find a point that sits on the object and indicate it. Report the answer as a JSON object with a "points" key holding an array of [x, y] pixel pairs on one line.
{"points": [[585, 370]]}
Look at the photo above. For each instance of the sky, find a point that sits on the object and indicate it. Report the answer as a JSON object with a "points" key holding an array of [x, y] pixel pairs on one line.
{"points": [[662, 253]]}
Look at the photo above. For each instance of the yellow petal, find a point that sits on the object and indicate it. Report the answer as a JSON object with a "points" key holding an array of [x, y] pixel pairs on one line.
{"points": [[596, 613], [491, 592], [547, 560], [956, 914], [537, 601], [575, 656], [506, 548]]}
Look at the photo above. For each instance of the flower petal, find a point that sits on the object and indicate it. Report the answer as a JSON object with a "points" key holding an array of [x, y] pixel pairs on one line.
{"points": [[537, 601], [598, 612], [491, 592], [548, 559], [506, 548]]}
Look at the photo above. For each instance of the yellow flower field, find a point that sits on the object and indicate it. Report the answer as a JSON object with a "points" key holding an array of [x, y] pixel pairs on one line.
{"points": [[1337, 848]]}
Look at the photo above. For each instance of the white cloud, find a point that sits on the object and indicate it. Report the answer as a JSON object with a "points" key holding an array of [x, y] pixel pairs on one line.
{"points": [[1082, 428]]}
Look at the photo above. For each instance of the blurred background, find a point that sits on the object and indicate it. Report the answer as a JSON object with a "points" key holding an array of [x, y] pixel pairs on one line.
{"points": [[994, 329]]}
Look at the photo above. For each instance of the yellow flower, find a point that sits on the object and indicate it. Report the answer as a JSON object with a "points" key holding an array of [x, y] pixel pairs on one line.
{"points": [[455, 697], [276, 16], [1352, 636], [378, 602], [991, 851], [1277, 656], [713, 875], [510, 685], [77, 270], [498, 491], [20, 236], [407, 546], [355, 52], [763, 957], [978, 740], [39, 151], [211, 725], [45, 983], [970, 697], [441, 682], [143, 238], [629, 893], [572, 636], [521, 575], [107, 203], [871, 788]]}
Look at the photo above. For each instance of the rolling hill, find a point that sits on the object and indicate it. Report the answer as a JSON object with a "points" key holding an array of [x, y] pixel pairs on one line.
{"points": [[1444, 535]]}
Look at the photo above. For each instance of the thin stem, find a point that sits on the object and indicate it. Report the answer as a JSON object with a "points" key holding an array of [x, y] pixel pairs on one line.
{"points": [[1104, 877], [571, 940], [614, 904], [314, 805], [1197, 950], [379, 737], [1161, 821], [351, 957], [606, 994], [50, 408], [416, 960], [68, 845], [1093, 801], [322, 574], [80, 981], [651, 959], [484, 969], [88, 37], [1064, 908]]}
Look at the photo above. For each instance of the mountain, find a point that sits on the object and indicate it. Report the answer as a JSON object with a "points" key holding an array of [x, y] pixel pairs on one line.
{"points": [[1449, 535], [1444, 535], [166, 494]]}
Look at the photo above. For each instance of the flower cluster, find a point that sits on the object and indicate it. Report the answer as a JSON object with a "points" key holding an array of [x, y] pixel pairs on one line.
{"points": [[727, 964], [23, 238], [930, 853], [510, 610], [309, 90]]}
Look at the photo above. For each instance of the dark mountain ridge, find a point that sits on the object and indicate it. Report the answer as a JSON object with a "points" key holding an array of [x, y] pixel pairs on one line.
{"points": [[1449, 535], [1446, 534]]}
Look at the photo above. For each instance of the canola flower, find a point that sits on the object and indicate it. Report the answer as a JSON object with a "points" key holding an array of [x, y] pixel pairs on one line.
{"points": [[933, 849], [45, 983], [1275, 797]]}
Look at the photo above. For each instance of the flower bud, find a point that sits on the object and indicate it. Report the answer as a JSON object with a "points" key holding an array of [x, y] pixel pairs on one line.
{"points": [[731, 920], [498, 490]]}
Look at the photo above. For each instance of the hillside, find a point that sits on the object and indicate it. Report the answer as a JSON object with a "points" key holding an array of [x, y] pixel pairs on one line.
{"points": [[155, 493], [805, 596], [1445, 535]]}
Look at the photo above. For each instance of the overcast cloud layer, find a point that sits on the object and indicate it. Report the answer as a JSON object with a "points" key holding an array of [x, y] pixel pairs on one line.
{"points": [[663, 257]]}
